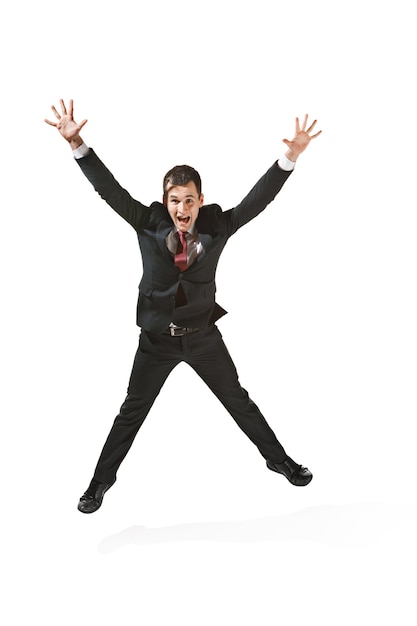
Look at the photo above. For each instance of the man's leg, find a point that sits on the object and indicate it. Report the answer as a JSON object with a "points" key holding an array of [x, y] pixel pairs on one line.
{"points": [[209, 357], [152, 365], [153, 362], [207, 354]]}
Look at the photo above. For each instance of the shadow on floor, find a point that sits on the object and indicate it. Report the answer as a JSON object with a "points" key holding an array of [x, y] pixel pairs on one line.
{"points": [[358, 525]]}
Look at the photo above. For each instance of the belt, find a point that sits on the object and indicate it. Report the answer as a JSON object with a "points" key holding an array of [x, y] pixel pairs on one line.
{"points": [[177, 331]]}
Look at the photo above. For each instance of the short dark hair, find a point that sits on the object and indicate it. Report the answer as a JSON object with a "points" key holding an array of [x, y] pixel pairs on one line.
{"points": [[182, 175]]}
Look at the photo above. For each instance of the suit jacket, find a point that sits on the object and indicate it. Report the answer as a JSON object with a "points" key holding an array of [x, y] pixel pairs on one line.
{"points": [[161, 278]]}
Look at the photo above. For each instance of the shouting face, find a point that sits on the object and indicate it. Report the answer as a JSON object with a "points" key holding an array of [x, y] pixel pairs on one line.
{"points": [[183, 203]]}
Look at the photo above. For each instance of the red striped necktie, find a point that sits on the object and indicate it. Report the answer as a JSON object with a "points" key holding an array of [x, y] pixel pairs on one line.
{"points": [[180, 258]]}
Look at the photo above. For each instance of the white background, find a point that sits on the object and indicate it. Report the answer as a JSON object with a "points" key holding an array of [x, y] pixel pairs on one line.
{"points": [[196, 531]]}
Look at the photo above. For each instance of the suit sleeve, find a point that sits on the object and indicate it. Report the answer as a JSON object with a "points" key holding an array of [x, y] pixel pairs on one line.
{"points": [[103, 181], [257, 199]]}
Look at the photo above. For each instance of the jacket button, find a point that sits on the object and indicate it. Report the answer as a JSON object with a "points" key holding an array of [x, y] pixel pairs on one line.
{"points": [[179, 276]]}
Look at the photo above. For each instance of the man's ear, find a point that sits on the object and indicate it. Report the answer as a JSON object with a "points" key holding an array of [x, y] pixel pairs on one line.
{"points": [[201, 199], [164, 200]]}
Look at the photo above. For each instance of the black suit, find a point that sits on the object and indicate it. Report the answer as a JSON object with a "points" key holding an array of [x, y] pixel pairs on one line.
{"points": [[158, 351]]}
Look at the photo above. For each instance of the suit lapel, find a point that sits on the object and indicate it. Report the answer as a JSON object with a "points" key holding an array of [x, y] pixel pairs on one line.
{"points": [[206, 241], [161, 235]]}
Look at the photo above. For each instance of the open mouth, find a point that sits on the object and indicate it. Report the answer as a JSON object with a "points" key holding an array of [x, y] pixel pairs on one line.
{"points": [[183, 220]]}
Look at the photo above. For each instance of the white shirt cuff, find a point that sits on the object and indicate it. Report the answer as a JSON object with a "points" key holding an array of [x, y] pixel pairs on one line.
{"points": [[81, 151], [284, 163]]}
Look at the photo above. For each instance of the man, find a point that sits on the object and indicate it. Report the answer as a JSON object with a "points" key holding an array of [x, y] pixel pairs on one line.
{"points": [[181, 241]]}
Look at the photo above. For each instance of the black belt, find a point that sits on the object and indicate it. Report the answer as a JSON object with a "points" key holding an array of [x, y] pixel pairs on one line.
{"points": [[176, 331]]}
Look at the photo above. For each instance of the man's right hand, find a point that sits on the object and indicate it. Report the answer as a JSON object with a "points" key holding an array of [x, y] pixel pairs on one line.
{"points": [[66, 125]]}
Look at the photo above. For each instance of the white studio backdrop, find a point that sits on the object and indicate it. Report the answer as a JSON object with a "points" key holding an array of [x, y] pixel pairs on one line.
{"points": [[328, 351]]}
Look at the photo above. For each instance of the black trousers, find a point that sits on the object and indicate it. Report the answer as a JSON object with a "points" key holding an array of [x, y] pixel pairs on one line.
{"points": [[156, 357]]}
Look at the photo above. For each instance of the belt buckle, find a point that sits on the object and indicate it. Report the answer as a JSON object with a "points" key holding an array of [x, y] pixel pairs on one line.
{"points": [[176, 331]]}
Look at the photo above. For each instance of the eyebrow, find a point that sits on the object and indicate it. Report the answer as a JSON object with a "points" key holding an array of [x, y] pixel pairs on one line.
{"points": [[175, 197]]}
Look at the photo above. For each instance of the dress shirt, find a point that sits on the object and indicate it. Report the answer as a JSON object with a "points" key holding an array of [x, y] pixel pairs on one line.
{"points": [[194, 245]]}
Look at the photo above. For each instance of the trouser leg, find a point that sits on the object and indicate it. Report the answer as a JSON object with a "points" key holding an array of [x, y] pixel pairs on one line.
{"points": [[212, 362], [151, 367]]}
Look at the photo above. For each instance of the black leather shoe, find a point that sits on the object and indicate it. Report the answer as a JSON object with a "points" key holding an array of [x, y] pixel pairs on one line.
{"points": [[296, 474], [91, 500]]}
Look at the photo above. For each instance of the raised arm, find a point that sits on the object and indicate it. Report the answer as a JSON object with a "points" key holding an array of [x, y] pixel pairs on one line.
{"points": [[66, 124], [270, 184], [103, 181]]}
